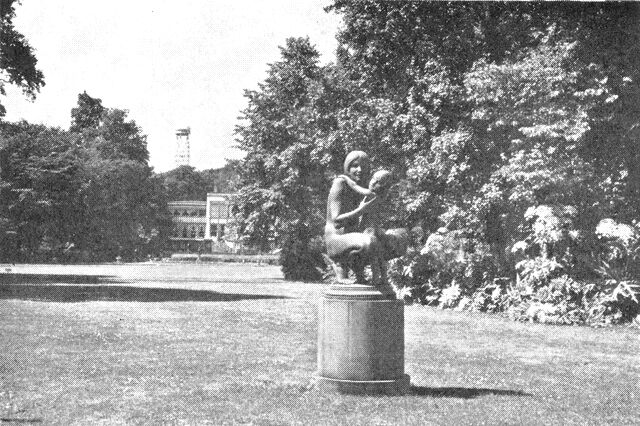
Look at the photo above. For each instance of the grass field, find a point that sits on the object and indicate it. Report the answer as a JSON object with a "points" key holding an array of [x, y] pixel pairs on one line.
{"points": [[235, 344]]}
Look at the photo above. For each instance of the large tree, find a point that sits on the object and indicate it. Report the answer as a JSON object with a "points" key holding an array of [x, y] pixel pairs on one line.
{"points": [[483, 109], [17, 60], [124, 208], [108, 131], [87, 192], [490, 107], [284, 168], [124, 203], [515, 126], [39, 186], [88, 114]]}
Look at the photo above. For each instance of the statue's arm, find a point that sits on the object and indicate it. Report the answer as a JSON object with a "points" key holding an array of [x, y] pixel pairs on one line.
{"points": [[357, 188], [334, 205]]}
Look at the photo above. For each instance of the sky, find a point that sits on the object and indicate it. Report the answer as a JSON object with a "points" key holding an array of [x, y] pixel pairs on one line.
{"points": [[170, 64]]}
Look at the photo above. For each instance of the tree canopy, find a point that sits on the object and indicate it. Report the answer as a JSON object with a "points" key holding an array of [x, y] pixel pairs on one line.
{"points": [[18, 64], [84, 194], [284, 168], [108, 131], [186, 183], [508, 126], [488, 108]]}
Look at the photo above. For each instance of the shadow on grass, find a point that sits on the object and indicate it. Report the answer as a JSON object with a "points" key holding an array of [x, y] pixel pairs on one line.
{"points": [[26, 278], [466, 393], [87, 293], [19, 421]]}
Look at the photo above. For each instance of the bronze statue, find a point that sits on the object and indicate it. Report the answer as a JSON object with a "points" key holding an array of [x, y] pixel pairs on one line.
{"points": [[353, 233]]}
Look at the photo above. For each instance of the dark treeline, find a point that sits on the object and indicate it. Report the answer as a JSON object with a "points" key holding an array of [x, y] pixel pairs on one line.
{"points": [[512, 129], [187, 183], [87, 193], [82, 194]]}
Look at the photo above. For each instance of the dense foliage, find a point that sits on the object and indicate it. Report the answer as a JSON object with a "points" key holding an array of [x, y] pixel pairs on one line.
{"points": [[283, 173], [512, 128], [79, 195], [187, 183], [88, 194], [17, 60]]}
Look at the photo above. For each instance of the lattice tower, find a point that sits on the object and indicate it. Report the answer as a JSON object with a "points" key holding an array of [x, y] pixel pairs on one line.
{"points": [[183, 150]]}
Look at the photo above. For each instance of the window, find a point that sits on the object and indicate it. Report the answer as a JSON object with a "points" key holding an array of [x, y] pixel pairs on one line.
{"points": [[218, 210]]}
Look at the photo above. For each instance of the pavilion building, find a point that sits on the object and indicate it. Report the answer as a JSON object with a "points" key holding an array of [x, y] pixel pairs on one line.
{"points": [[202, 226]]}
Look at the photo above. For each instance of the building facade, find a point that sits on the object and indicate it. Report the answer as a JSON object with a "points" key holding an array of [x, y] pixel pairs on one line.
{"points": [[202, 226]]}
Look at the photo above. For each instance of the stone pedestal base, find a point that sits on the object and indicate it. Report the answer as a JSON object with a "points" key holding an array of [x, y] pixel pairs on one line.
{"points": [[361, 341], [384, 387]]}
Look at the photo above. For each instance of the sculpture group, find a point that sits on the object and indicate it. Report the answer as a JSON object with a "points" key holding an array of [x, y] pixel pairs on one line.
{"points": [[353, 233]]}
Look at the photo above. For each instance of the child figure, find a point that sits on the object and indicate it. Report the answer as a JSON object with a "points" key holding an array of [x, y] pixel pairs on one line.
{"points": [[371, 221], [378, 186]]}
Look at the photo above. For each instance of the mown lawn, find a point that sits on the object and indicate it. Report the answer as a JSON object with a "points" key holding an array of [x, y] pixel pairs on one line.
{"points": [[234, 344]]}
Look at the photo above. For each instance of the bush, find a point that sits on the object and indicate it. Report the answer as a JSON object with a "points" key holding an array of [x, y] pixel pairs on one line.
{"points": [[546, 294], [535, 273], [453, 271], [301, 256], [447, 269], [618, 263]]}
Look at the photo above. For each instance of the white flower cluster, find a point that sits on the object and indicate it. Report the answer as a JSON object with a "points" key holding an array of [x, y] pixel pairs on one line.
{"points": [[609, 228]]}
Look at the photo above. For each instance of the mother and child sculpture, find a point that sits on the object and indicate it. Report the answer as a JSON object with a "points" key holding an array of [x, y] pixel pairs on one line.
{"points": [[353, 233]]}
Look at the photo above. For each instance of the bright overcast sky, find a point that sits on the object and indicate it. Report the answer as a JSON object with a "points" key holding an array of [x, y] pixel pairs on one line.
{"points": [[171, 64]]}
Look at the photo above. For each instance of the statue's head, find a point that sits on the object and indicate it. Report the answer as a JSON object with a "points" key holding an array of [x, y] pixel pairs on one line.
{"points": [[357, 165], [380, 181]]}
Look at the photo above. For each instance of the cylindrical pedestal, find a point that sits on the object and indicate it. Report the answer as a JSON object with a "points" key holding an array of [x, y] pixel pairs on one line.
{"points": [[361, 341]]}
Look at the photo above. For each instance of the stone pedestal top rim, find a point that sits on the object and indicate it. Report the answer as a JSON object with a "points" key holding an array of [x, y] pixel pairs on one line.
{"points": [[356, 292]]}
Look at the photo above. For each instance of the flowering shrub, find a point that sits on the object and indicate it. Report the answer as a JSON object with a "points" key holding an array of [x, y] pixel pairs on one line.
{"points": [[550, 225], [562, 301], [413, 277], [453, 271], [618, 263], [536, 272], [546, 293], [448, 268], [493, 297]]}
